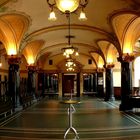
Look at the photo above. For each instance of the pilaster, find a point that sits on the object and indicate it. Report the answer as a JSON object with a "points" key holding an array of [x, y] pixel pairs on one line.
{"points": [[14, 79]]}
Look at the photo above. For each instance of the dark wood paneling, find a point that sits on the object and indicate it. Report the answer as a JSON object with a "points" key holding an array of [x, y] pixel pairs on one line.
{"points": [[117, 92], [68, 84]]}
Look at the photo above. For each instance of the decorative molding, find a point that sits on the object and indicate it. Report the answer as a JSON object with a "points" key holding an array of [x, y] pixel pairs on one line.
{"points": [[32, 68], [89, 70], [100, 70], [13, 59], [126, 57], [4, 71], [110, 66]]}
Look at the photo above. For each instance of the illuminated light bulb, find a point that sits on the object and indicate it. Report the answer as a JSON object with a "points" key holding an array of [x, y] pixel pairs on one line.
{"points": [[76, 53], [52, 16], [67, 56], [67, 5], [82, 16], [0, 64]]}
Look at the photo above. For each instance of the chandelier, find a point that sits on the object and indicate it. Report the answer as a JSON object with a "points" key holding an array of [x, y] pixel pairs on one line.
{"points": [[67, 6], [70, 69], [70, 64], [70, 49]]}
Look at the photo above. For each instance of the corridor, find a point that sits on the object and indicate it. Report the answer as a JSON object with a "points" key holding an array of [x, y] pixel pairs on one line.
{"points": [[94, 119]]}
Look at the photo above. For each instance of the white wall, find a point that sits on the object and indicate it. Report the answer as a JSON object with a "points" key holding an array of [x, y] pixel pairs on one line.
{"points": [[117, 78], [136, 72]]}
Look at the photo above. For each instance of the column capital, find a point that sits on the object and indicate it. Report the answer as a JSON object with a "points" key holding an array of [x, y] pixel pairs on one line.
{"points": [[14, 59], [126, 57], [109, 65], [100, 69], [32, 68], [40, 70]]}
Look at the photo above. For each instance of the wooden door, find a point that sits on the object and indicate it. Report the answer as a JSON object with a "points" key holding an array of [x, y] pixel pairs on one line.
{"points": [[68, 84]]}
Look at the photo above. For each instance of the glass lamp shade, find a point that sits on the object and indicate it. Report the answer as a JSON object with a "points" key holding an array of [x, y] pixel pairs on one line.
{"points": [[76, 54], [70, 50], [70, 63], [67, 5], [70, 69], [52, 16], [82, 16]]}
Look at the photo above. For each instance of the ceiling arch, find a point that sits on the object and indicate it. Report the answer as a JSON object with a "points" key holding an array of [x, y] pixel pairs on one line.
{"points": [[126, 25], [13, 27], [73, 26], [108, 28]]}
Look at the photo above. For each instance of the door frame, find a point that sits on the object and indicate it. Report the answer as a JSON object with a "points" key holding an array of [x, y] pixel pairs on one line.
{"points": [[77, 75]]}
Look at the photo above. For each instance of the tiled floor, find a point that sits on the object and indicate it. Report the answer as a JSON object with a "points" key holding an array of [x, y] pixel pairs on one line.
{"points": [[94, 119]]}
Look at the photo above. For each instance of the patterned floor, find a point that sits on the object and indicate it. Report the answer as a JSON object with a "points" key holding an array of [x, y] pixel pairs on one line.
{"points": [[94, 119]]}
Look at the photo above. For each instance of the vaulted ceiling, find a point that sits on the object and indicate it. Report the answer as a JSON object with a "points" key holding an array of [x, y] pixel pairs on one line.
{"points": [[112, 28]]}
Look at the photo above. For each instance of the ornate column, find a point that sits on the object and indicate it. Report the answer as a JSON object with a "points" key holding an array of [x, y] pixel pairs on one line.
{"points": [[81, 84], [60, 85], [31, 81], [14, 79], [100, 82], [95, 82], [109, 96], [41, 82], [126, 81], [78, 85]]}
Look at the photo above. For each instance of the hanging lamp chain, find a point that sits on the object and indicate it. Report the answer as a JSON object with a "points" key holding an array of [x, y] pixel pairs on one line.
{"points": [[68, 17]]}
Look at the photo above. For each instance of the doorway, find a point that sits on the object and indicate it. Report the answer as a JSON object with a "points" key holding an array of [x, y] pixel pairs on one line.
{"points": [[69, 85]]}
